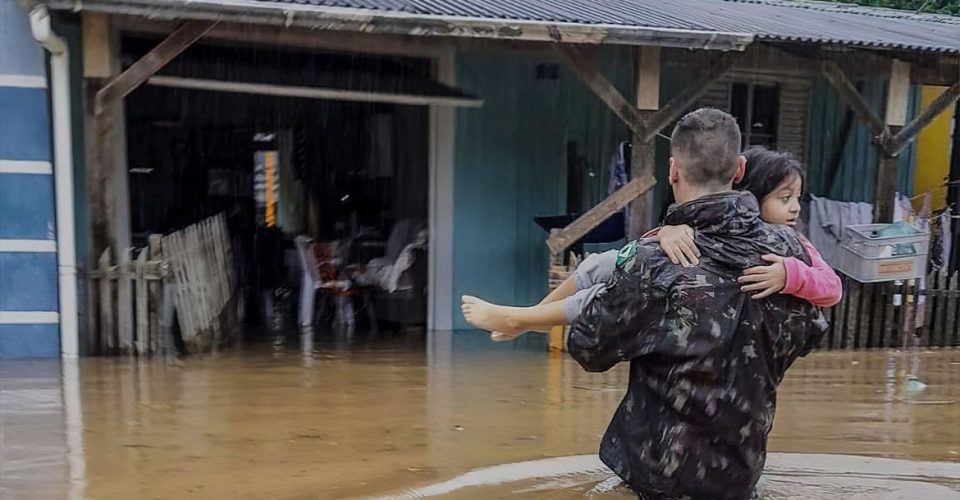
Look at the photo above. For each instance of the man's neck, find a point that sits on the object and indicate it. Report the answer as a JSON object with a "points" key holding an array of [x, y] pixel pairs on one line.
{"points": [[684, 194]]}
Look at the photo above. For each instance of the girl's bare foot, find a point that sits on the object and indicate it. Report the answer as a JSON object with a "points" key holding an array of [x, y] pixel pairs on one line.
{"points": [[491, 317], [504, 337]]}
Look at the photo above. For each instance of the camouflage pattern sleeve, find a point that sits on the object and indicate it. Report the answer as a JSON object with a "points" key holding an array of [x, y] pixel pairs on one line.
{"points": [[621, 321]]}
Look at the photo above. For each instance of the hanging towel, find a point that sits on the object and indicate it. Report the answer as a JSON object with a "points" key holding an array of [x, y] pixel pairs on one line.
{"points": [[828, 221]]}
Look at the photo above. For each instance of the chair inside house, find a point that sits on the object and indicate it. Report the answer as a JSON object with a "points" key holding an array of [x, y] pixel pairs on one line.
{"points": [[323, 271]]}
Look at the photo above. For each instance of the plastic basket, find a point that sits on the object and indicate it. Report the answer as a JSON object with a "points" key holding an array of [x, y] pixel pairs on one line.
{"points": [[869, 257]]}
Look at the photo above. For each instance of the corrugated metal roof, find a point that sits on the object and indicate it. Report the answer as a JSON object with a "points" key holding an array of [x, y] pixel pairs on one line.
{"points": [[780, 20], [731, 23]]}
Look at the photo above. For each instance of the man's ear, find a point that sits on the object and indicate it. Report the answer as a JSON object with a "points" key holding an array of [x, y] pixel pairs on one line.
{"points": [[673, 175], [741, 169]]}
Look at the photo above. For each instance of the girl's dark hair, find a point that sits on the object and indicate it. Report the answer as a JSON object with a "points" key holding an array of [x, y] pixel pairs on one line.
{"points": [[766, 170]]}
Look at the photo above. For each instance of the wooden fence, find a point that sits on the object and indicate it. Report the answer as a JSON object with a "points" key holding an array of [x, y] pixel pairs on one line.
{"points": [[147, 272], [874, 315], [880, 315], [192, 268], [202, 272]]}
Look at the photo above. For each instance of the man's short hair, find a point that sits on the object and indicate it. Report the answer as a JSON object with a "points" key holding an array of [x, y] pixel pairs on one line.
{"points": [[707, 144]]}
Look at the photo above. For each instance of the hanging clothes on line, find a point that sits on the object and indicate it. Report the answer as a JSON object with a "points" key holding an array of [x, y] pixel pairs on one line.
{"points": [[940, 239], [828, 220], [618, 168], [619, 176]]}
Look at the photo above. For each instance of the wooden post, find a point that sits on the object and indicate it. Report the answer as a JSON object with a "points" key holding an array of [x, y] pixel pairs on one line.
{"points": [[97, 63], [142, 307], [155, 292], [107, 179], [647, 79], [106, 303], [679, 104], [898, 96], [952, 292]]}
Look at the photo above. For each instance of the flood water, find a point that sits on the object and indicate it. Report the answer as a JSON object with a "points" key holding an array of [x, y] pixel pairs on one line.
{"points": [[447, 415]]}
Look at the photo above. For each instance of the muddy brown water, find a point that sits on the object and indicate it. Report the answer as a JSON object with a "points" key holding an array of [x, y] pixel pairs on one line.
{"points": [[435, 415]]}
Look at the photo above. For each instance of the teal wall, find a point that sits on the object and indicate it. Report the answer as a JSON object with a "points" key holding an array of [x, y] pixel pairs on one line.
{"points": [[856, 179], [510, 161], [510, 165]]}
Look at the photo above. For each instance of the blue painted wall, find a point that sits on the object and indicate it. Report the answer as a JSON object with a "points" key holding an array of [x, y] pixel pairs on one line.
{"points": [[28, 279], [510, 165], [21, 54], [27, 205]]}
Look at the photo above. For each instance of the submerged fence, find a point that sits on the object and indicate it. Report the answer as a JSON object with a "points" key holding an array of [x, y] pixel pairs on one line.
{"points": [[888, 314], [189, 271]]}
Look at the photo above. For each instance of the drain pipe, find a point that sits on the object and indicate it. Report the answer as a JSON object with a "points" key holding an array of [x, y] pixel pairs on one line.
{"points": [[63, 178]]}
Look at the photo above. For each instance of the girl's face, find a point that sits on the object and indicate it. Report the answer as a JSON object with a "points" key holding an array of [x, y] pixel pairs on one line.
{"points": [[782, 205]]}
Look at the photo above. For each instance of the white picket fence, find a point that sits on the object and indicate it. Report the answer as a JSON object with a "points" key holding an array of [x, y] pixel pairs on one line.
{"points": [[108, 284], [194, 265], [201, 268]]}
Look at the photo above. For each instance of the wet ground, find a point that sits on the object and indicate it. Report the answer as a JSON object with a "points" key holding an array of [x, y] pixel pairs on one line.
{"points": [[452, 415]]}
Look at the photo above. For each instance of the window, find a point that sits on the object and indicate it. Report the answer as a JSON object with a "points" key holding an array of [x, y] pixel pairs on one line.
{"points": [[756, 108]]}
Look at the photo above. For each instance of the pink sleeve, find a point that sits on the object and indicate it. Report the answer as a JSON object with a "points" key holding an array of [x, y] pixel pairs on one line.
{"points": [[816, 283]]}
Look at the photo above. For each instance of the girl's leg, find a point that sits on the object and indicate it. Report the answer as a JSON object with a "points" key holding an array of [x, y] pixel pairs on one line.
{"points": [[512, 320], [566, 289], [505, 323], [595, 269], [508, 322]]}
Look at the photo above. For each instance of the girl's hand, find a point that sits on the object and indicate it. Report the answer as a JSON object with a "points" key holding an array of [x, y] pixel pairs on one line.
{"points": [[677, 243], [768, 280]]}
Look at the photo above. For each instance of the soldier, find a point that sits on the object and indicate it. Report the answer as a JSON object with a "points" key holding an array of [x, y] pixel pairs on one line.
{"points": [[705, 359]]}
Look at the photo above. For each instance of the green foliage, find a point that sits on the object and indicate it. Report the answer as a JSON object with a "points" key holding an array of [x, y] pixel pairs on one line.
{"points": [[951, 7]]}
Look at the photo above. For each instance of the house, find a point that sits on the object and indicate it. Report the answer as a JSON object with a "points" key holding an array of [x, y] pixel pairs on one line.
{"points": [[475, 117]]}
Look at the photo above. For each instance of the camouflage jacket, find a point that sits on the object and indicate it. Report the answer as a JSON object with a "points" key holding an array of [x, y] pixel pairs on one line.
{"points": [[705, 358]]}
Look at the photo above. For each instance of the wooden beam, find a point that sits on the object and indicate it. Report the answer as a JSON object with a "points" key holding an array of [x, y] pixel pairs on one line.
{"points": [[305, 38], [558, 242], [178, 41], [849, 93], [887, 171], [643, 153], [647, 78], [96, 45], [898, 93], [939, 105], [588, 72], [332, 94], [898, 97], [942, 70], [682, 102]]}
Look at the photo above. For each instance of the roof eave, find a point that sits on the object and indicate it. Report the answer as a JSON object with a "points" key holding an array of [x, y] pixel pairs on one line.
{"points": [[399, 23]]}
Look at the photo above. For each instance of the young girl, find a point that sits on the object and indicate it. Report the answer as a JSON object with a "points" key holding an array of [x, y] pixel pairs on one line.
{"points": [[776, 179]]}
